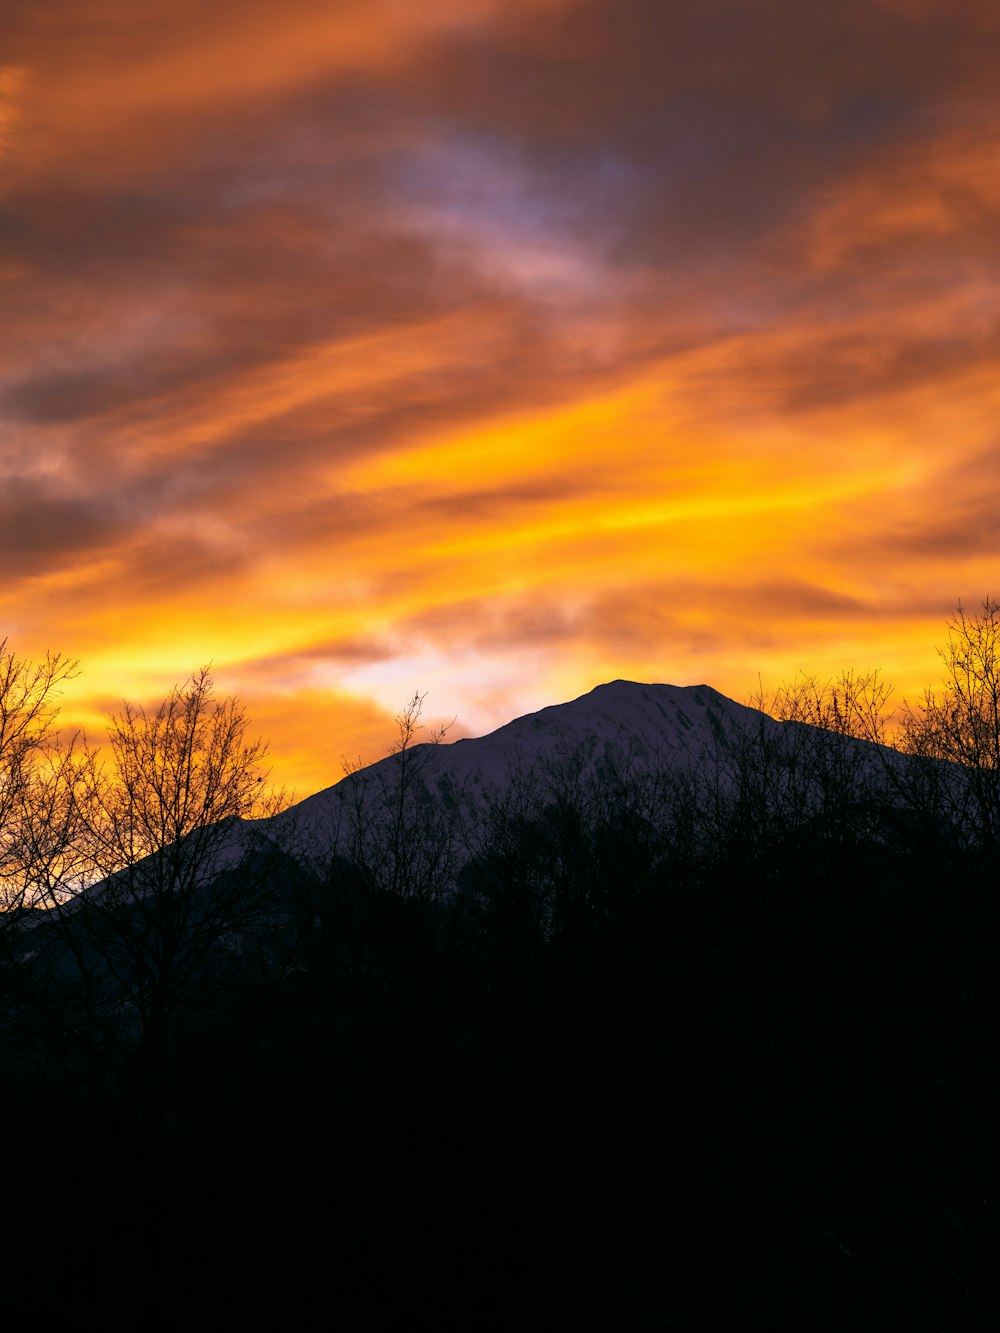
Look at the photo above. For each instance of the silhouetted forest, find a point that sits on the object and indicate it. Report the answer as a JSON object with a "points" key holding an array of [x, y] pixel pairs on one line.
{"points": [[639, 1047]]}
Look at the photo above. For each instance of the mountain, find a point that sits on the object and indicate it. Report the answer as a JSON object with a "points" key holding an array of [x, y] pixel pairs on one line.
{"points": [[643, 725], [622, 731], [650, 744]]}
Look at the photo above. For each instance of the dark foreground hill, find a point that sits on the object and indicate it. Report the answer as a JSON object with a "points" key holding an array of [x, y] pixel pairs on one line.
{"points": [[681, 1023]]}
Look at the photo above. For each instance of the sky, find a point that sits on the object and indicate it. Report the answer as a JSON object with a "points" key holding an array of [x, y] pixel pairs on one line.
{"points": [[492, 349]]}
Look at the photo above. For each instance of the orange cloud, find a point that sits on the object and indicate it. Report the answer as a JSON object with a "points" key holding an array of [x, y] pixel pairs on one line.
{"points": [[493, 350]]}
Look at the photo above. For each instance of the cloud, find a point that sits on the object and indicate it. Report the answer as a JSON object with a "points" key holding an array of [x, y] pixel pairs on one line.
{"points": [[519, 343], [42, 528], [12, 88]]}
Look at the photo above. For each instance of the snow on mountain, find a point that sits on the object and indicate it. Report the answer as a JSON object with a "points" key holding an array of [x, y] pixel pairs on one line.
{"points": [[622, 726], [623, 721]]}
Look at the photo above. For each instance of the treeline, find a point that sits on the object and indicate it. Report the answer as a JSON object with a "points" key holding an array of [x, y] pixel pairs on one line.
{"points": [[633, 1047]]}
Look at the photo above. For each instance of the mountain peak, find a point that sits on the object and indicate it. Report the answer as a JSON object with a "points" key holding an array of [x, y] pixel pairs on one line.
{"points": [[641, 722], [627, 688]]}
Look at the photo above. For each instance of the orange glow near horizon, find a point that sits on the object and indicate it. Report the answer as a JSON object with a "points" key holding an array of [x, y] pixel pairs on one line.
{"points": [[493, 351]]}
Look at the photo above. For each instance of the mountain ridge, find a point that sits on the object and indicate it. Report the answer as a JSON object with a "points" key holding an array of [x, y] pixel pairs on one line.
{"points": [[707, 749], [646, 721]]}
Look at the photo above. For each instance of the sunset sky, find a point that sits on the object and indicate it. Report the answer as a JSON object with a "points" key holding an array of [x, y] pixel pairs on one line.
{"points": [[493, 348]]}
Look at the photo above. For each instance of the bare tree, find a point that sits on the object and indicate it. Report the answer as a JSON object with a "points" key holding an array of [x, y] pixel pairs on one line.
{"points": [[173, 866], [812, 752], [960, 723], [404, 836], [34, 778]]}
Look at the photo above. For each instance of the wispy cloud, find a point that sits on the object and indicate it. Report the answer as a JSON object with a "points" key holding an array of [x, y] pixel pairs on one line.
{"points": [[493, 348]]}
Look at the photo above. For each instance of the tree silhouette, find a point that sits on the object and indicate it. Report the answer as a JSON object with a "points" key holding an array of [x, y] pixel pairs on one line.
{"points": [[174, 868], [34, 812], [960, 723], [399, 835]]}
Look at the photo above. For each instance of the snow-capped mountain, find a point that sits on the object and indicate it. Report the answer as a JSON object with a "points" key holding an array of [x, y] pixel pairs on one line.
{"points": [[623, 719], [442, 791], [718, 747], [616, 725]]}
